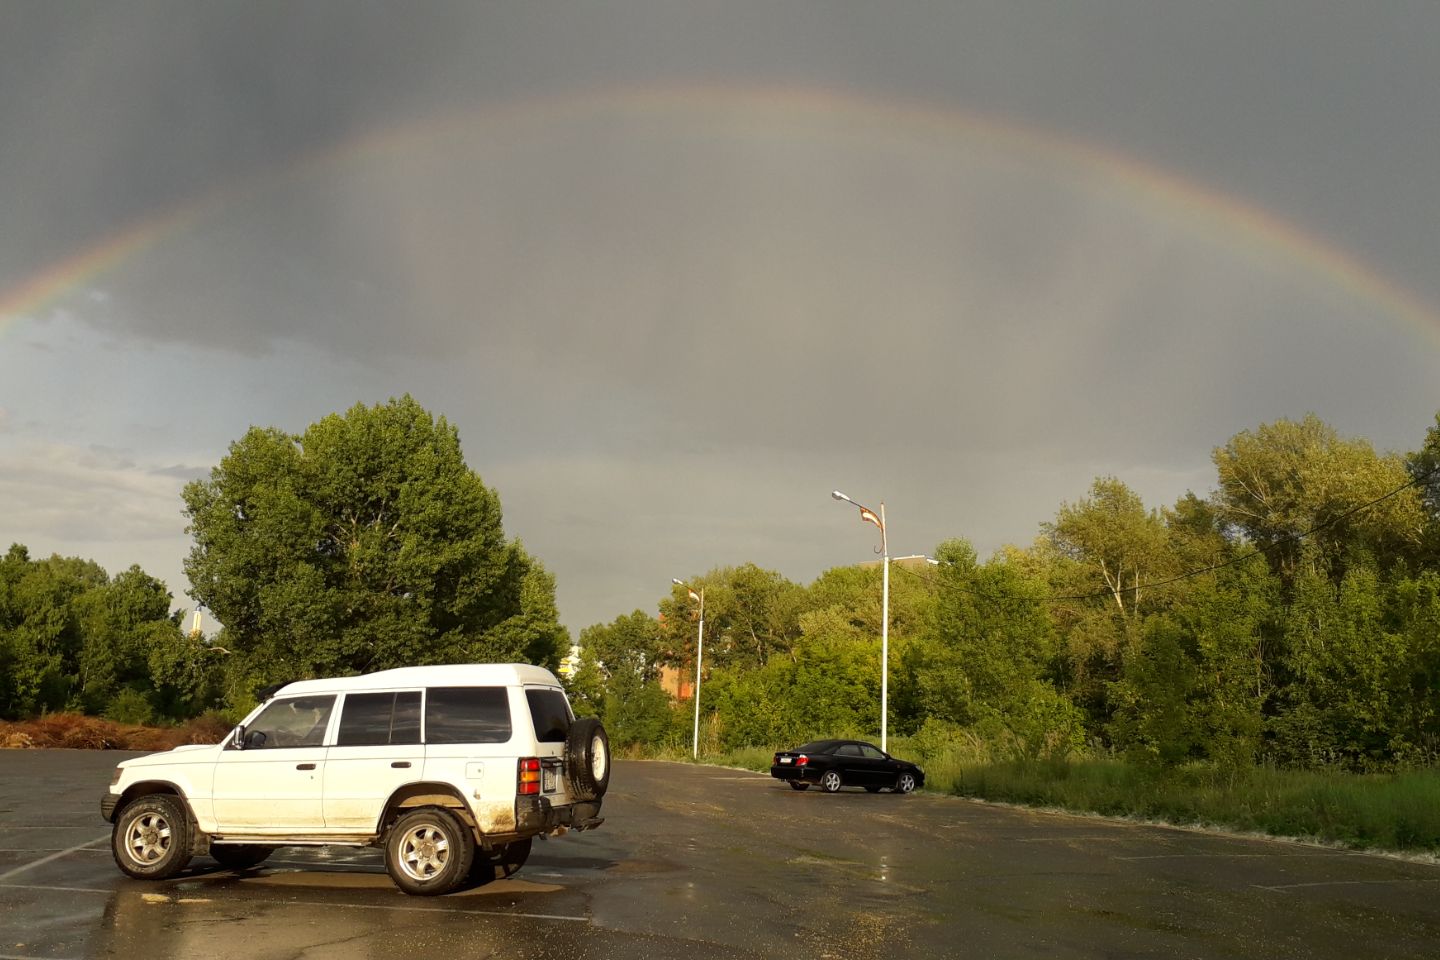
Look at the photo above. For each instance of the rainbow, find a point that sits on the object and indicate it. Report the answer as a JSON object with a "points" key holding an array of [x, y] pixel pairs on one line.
{"points": [[1231, 221]]}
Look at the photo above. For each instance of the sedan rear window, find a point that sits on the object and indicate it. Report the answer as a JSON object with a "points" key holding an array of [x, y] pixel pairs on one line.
{"points": [[467, 715], [816, 746]]}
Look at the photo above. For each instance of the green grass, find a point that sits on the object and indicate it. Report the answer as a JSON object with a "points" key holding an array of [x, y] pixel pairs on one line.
{"points": [[1399, 811]]}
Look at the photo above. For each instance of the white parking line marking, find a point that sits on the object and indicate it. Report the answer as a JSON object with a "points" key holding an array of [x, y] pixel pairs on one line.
{"points": [[36, 886], [18, 956], [54, 856], [1343, 883]]}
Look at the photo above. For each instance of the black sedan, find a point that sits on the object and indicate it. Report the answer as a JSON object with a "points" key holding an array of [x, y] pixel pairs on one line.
{"points": [[845, 763]]}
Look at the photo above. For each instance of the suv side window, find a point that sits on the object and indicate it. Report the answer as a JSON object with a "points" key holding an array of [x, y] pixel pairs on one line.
{"points": [[467, 715], [550, 712], [379, 719], [294, 722]]}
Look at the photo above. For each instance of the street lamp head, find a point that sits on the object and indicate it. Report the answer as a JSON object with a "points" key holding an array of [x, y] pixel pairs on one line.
{"points": [[840, 496], [678, 583]]}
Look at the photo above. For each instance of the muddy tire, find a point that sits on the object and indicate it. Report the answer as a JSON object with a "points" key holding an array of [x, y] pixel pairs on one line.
{"points": [[152, 836], [429, 852], [905, 783], [239, 856], [830, 781], [587, 760]]}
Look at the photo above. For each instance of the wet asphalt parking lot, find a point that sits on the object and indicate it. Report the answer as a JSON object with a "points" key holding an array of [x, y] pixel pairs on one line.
{"points": [[702, 862]]}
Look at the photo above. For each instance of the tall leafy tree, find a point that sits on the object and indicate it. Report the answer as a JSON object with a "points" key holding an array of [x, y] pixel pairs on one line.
{"points": [[1288, 482], [1197, 684], [987, 660], [750, 614], [1113, 535], [363, 543], [631, 643], [73, 638]]}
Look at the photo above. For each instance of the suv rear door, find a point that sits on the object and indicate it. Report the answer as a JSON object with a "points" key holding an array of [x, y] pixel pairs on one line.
{"points": [[377, 749]]}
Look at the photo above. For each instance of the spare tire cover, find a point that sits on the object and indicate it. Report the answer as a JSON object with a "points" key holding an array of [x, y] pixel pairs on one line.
{"points": [[587, 759]]}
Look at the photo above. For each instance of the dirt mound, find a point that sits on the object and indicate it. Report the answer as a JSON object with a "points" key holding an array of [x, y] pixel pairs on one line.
{"points": [[75, 731]]}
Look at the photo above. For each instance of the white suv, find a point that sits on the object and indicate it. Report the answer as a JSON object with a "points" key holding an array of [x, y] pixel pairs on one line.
{"points": [[453, 769]]}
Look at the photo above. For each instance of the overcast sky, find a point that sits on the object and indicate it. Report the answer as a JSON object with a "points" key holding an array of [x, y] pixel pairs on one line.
{"points": [[676, 271]]}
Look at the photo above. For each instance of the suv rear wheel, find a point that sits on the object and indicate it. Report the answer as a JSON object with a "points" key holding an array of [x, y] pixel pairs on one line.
{"points": [[428, 852]]}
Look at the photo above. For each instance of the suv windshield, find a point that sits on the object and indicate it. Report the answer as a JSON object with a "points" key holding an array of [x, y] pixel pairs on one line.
{"points": [[551, 713]]}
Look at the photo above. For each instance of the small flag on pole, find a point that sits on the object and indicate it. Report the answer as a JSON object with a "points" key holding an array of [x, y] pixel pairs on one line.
{"points": [[869, 517], [694, 596]]}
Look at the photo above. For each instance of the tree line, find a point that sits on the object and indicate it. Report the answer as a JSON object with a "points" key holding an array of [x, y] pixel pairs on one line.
{"points": [[1291, 616]]}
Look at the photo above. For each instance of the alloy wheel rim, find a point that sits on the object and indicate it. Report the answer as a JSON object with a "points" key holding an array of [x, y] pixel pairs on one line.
{"points": [[424, 852], [148, 838]]}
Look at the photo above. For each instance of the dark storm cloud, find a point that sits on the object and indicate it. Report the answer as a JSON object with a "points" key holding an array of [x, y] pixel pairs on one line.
{"points": [[666, 334], [1320, 111]]}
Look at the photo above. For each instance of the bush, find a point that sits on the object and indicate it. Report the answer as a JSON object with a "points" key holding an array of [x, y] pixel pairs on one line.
{"points": [[129, 706]]}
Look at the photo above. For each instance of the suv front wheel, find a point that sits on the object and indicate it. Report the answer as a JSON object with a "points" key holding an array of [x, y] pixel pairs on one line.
{"points": [[151, 839], [428, 852]]}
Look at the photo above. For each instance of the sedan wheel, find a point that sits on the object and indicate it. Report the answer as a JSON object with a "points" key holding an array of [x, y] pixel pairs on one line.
{"points": [[830, 782], [905, 783]]}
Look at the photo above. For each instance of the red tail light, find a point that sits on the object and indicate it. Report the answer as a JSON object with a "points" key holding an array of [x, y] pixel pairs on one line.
{"points": [[801, 760], [528, 784]]}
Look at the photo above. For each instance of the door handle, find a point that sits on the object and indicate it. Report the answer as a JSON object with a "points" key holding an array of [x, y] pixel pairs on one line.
{"points": [[304, 766], [401, 764]]}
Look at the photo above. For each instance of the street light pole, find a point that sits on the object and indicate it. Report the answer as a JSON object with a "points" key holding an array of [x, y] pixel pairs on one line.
{"points": [[869, 516], [699, 653]]}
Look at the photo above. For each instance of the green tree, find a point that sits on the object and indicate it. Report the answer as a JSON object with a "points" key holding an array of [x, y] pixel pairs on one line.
{"points": [[1112, 534], [1363, 665], [1287, 483], [1197, 685], [619, 680], [827, 686], [363, 543], [750, 614], [631, 643], [987, 661]]}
